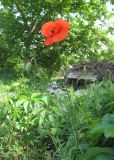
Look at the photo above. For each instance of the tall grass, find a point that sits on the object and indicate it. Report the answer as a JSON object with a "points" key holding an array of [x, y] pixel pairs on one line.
{"points": [[38, 126]]}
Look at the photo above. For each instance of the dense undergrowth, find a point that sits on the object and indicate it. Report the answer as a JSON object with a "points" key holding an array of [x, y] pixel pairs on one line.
{"points": [[38, 126]]}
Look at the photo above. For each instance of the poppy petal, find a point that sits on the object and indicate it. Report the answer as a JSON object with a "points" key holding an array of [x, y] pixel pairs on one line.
{"points": [[46, 28], [63, 23], [48, 41], [55, 31], [60, 36]]}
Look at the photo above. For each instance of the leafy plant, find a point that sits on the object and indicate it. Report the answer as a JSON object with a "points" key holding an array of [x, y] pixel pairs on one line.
{"points": [[106, 126], [97, 153]]}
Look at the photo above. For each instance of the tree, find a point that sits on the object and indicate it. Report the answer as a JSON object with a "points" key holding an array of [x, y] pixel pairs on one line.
{"points": [[22, 22]]}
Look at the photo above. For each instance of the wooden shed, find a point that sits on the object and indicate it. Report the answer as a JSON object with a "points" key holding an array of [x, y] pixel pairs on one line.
{"points": [[88, 72]]}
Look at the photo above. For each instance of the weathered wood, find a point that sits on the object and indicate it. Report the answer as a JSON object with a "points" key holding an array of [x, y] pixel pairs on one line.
{"points": [[88, 72]]}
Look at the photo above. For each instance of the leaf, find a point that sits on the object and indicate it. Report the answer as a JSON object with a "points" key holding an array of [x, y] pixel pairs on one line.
{"points": [[46, 100], [54, 131], [106, 126], [109, 107], [35, 95], [104, 157], [23, 96], [20, 102], [95, 153], [42, 117], [25, 105], [83, 146], [41, 98]]}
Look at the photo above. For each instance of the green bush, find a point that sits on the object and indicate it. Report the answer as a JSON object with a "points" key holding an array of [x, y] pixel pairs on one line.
{"points": [[35, 125]]}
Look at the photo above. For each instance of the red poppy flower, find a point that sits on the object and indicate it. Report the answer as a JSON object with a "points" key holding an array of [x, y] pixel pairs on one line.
{"points": [[55, 31]]}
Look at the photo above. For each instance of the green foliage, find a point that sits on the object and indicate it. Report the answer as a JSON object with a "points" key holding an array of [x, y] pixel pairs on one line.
{"points": [[106, 126], [97, 153], [36, 125], [85, 41]]}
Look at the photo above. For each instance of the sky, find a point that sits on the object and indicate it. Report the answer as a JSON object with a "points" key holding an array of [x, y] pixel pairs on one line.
{"points": [[108, 22], [1, 6]]}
